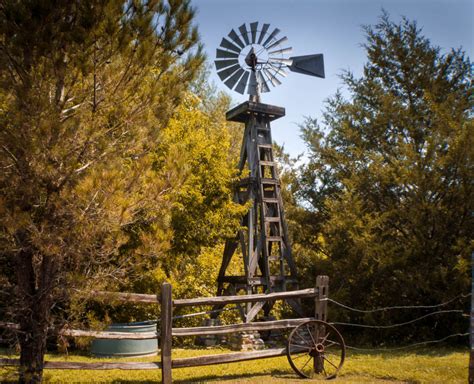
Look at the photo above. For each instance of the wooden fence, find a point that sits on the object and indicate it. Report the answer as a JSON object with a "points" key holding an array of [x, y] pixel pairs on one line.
{"points": [[166, 330]]}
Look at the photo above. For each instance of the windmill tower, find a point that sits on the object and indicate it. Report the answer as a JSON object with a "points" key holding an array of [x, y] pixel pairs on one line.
{"points": [[251, 61]]}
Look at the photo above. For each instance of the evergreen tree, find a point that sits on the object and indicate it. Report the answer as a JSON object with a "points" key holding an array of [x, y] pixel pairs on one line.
{"points": [[387, 192], [86, 87]]}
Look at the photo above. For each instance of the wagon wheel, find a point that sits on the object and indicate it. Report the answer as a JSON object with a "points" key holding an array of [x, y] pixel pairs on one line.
{"points": [[316, 349]]}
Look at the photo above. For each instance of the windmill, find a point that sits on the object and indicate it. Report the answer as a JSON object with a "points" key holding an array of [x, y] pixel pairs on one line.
{"points": [[251, 61]]}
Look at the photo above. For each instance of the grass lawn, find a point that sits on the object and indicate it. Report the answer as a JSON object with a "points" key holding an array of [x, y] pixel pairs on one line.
{"points": [[419, 366]]}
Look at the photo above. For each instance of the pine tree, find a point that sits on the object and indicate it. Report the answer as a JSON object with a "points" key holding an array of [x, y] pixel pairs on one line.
{"points": [[389, 180], [86, 87]]}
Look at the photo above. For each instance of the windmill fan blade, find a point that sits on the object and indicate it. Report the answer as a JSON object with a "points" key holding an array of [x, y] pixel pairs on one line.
{"points": [[225, 63], [312, 65], [281, 51], [252, 88], [275, 32], [253, 29], [278, 69], [263, 83], [242, 83], [224, 74], [274, 80], [221, 54], [278, 42], [227, 44], [236, 39], [280, 60], [231, 81], [263, 32], [243, 31]]}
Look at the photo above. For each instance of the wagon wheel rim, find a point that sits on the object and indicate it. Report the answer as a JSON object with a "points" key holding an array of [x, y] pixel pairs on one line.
{"points": [[316, 349]]}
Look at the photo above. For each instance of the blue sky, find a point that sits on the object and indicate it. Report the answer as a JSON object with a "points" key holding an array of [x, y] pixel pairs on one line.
{"points": [[331, 27]]}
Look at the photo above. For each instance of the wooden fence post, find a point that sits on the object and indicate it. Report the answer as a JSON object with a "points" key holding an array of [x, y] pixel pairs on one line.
{"points": [[320, 313], [165, 334], [321, 304], [471, 339]]}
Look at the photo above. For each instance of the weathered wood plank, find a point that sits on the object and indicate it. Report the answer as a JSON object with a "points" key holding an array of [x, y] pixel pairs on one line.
{"points": [[223, 329], [310, 292], [242, 112], [96, 334], [320, 301], [227, 358], [109, 335], [126, 297], [92, 366], [253, 311], [166, 332]]}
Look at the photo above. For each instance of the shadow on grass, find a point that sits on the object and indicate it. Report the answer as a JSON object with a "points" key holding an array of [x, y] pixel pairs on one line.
{"points": [[390, 353], [279, 374]]}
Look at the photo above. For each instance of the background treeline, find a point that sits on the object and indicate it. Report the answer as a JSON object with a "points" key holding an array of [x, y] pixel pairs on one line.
{"points": [[118, 165]]}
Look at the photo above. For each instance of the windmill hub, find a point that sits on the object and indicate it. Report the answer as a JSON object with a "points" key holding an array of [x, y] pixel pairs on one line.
{"points": [[252, 59]]}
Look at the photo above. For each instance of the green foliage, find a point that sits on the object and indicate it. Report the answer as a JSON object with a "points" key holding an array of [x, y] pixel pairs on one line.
{"points": [[387, 195]]}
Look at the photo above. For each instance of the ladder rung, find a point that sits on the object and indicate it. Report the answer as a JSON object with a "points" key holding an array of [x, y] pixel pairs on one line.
{"points": [[265, 162], [270, 200], [262, 128], [269, 181], [265, 146], [273, 219], [274, 238]]}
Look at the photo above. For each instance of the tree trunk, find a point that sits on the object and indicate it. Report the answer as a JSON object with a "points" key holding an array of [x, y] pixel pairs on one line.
{"points": [[33, 349], [35, 299]]}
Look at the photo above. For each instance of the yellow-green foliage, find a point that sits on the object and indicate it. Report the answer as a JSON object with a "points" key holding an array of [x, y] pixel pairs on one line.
{"points": [[430, 366]]}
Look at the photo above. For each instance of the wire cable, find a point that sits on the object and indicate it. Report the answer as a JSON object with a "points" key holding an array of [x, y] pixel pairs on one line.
{"points": [[397, 306], [399, 324], [408, 346]]}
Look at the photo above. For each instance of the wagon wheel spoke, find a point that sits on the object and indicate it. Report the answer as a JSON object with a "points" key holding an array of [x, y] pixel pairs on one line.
{"points": [[301, 337], [331, 344], [305, 364], [326, 359], [310, 334], [325, 338]]}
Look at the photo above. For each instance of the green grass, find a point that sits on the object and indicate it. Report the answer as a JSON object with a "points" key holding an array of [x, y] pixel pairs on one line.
{"points": [[420, 366]]}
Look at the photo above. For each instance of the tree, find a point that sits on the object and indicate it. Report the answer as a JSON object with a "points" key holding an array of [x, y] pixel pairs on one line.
{"points": [[86, 88], [387, 195]]}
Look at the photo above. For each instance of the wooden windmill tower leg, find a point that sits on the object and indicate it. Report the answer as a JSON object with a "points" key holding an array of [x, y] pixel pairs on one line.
{"points": [[268, 265]]}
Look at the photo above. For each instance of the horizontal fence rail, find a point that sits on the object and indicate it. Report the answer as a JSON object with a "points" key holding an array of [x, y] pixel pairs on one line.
{"points": [[109, 335], [244, 327], [92, 366], [226, 358], [310, 292], [95, 334], [126, 297]]}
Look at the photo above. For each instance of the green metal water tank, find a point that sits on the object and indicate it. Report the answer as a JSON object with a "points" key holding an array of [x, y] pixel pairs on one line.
{"points": [[127, 347]]}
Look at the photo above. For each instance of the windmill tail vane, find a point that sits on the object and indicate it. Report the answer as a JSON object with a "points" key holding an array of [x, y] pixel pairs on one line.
{"points": [[254, 58]]}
